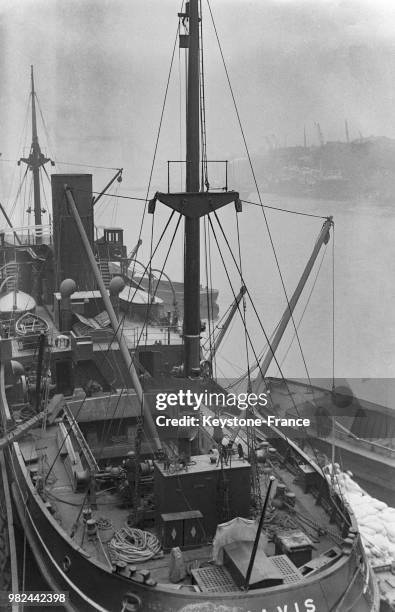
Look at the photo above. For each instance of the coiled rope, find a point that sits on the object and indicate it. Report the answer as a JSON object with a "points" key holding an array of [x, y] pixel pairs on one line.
{"points": [[133, 545]]}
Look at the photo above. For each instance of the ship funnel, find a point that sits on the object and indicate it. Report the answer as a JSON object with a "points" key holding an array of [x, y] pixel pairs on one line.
{"points": [[69, 253]]}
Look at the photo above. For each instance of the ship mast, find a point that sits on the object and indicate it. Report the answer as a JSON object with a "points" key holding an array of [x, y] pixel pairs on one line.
{"points": [[35, 161], [192, 225], [193, 203]]}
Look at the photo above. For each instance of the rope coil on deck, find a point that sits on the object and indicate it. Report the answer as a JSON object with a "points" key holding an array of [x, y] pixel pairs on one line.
{"points": [[133, 545]]}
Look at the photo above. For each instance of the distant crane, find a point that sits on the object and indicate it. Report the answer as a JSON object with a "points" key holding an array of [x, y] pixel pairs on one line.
{"points": [[320, 135], [347, 133]]}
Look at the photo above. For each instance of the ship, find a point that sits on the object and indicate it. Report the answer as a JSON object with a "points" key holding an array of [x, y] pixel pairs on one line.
{"points": [[353, 420], [350, 421], [9, 571], [128, 502], [158, 284]]}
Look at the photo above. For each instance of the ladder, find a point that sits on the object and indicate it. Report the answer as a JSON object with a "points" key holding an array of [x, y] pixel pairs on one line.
{"points": [[9, 274], [104, 272]]}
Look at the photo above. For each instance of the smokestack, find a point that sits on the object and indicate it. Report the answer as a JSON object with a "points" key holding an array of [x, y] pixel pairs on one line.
{"points": [[69, 253]]}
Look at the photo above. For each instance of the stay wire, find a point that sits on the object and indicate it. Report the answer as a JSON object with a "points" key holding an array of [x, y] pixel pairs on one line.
{"points": [[204, 179], [149, 276], [150, 261], [307, 304], [145, 324], [333, 306], [112, 195], [287, 210], [207, 291], [256, 184], [232, 288], [19, 191], [63, 163], [22, 138], [244, 303], [265, 334], [44, 125], [160, 125], [211, 285], [123, 320]]}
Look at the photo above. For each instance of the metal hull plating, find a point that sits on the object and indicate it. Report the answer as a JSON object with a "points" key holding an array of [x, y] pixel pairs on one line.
{"points": [[91, 585]]}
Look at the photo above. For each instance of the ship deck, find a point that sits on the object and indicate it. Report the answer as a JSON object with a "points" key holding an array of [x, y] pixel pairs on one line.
{"points": [[40, 451], [103, 340]]}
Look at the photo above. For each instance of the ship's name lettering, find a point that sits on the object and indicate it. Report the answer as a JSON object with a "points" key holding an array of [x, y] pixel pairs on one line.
{"points": [[307, 606]]}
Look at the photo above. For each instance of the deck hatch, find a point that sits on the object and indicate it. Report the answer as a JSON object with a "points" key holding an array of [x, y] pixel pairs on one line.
{"points": [[289, 571], [214, 579]]}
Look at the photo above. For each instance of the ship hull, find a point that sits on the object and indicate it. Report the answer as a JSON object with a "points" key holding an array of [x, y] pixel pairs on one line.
{"points": [[92, 585], [372, 464], [208, 297], [377, 478], [8, 556]]}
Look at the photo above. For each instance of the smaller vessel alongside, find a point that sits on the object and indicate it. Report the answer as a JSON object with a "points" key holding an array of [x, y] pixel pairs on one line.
{"points": [[354, 422]]}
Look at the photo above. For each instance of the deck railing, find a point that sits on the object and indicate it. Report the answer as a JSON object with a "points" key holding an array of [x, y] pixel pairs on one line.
{"points": [[28, 235], [370, 445]]}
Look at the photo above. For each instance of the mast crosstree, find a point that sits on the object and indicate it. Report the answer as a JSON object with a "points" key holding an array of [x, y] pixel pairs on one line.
{"points": [[193, 204], [36, 159]]}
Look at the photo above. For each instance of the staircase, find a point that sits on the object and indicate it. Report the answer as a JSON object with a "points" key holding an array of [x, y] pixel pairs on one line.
{"points": [[9, 273], [105, 272]]}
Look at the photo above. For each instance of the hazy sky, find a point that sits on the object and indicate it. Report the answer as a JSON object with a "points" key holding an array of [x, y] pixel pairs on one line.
{"points": [[101, 68]]}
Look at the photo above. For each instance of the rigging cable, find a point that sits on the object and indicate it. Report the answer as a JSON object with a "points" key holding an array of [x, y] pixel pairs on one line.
{"points": [[267, 339], [204, 178], [149, 279], [180, 98], [149, 265], [145, 324], [232, 289], [160, 126], [210, 330], [44, 194], [333, 305], [149, 262], [154, 294], [122, 321], [44, 125], [60, 163], [21, 184], [287, 210], [22, 138], [306, 305], [244, 304], [256, 184], [205, 184]]}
